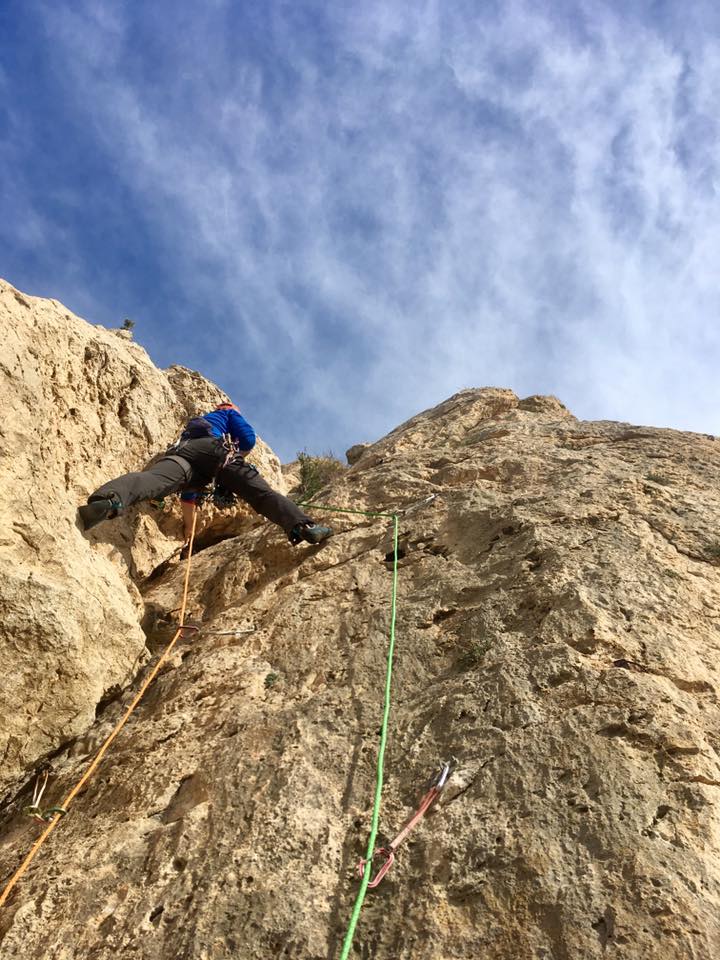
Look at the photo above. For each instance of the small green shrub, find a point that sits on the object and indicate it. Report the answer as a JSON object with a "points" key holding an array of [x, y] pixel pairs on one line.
{"points": [[128, 324], [473, 655], [713, 550], [271, 679], [316, 473]]}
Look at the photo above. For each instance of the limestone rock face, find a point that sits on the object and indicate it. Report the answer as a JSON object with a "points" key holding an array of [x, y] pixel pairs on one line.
{"points": [[80, 405], [355, 452], [557, 638]]}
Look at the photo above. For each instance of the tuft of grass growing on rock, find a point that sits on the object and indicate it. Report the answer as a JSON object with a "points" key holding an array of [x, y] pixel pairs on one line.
{"points": [[316, 473], [271, 679], [712, 550], [474, 654]]}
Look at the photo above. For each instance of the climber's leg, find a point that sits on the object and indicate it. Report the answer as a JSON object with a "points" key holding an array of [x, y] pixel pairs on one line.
{"points": [[245, 481], [168, 475]]}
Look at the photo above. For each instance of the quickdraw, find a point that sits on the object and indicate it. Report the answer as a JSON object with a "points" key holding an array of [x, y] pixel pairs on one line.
{"points": [[34, 809], [194, 628], [389, 852], [420, 503]]}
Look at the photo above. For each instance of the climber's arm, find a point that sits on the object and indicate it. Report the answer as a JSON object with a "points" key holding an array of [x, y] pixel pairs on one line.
{"points": [[241, 431]]}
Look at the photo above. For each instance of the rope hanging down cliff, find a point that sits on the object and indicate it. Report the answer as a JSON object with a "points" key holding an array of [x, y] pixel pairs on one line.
{"points": [[62, 808], [59, 811], [375, 819]]}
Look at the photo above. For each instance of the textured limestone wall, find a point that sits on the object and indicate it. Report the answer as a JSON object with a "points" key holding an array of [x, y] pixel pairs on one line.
{"points": [[558, 635], [80, 405]]}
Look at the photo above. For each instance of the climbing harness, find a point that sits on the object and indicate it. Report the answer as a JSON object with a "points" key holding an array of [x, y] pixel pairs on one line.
{"points": [[56, 813], [197, 429], [389, 852], [219, 496]]}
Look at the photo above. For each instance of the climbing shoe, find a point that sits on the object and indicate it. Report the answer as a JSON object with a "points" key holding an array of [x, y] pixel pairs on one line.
{"points": [[97, 510], [311, 532]]}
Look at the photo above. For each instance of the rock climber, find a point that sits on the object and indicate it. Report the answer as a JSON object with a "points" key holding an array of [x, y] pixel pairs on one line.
{"points": [[212, 447]]}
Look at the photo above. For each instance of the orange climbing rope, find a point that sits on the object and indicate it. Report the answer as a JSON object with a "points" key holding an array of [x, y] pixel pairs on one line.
{"points": [[62, 809]]}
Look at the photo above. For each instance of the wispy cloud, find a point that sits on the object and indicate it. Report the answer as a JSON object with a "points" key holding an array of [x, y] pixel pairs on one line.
{"points": [[346, 212]]}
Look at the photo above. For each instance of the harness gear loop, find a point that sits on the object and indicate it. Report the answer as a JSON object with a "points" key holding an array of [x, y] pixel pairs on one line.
{"points": [[389, 852], [231, 451], [219, 495]]}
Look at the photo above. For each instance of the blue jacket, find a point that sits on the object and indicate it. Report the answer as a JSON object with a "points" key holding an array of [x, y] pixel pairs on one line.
{"points": [[225, 422], [232, 422]]}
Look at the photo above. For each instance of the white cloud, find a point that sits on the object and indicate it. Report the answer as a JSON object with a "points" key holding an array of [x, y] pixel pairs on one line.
{"points": [[420, 198]]}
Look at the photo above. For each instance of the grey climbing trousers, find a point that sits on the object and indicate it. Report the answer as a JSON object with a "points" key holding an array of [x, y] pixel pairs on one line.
{"points": [[191, 465]]}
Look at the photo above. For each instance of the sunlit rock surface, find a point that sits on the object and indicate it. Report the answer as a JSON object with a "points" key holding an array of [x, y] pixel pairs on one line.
{"points": [[558, 638], [79, 405]]}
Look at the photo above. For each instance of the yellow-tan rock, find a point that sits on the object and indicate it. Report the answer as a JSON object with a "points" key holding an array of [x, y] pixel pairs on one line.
{"points": [[80, 405], [557, 638]]}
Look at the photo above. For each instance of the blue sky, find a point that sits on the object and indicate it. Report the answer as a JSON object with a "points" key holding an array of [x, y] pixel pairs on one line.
{"points": [[344, 212]]}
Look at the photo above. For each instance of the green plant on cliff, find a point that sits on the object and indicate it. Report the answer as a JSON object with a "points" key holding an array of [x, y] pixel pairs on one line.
{"points": [[474, 654], [316, 473], [713, 550]]}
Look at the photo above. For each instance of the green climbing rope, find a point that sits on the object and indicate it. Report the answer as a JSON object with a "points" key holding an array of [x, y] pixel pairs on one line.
{"points": [[347, 943], [374, 823], [359, 513]]}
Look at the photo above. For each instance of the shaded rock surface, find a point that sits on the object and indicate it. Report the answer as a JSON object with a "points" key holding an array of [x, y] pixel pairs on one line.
{"points": [[558, 636]]}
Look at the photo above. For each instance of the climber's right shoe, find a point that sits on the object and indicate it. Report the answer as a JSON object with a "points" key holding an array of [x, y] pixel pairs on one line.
{"points": [[97, 510], [310, 532]]}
